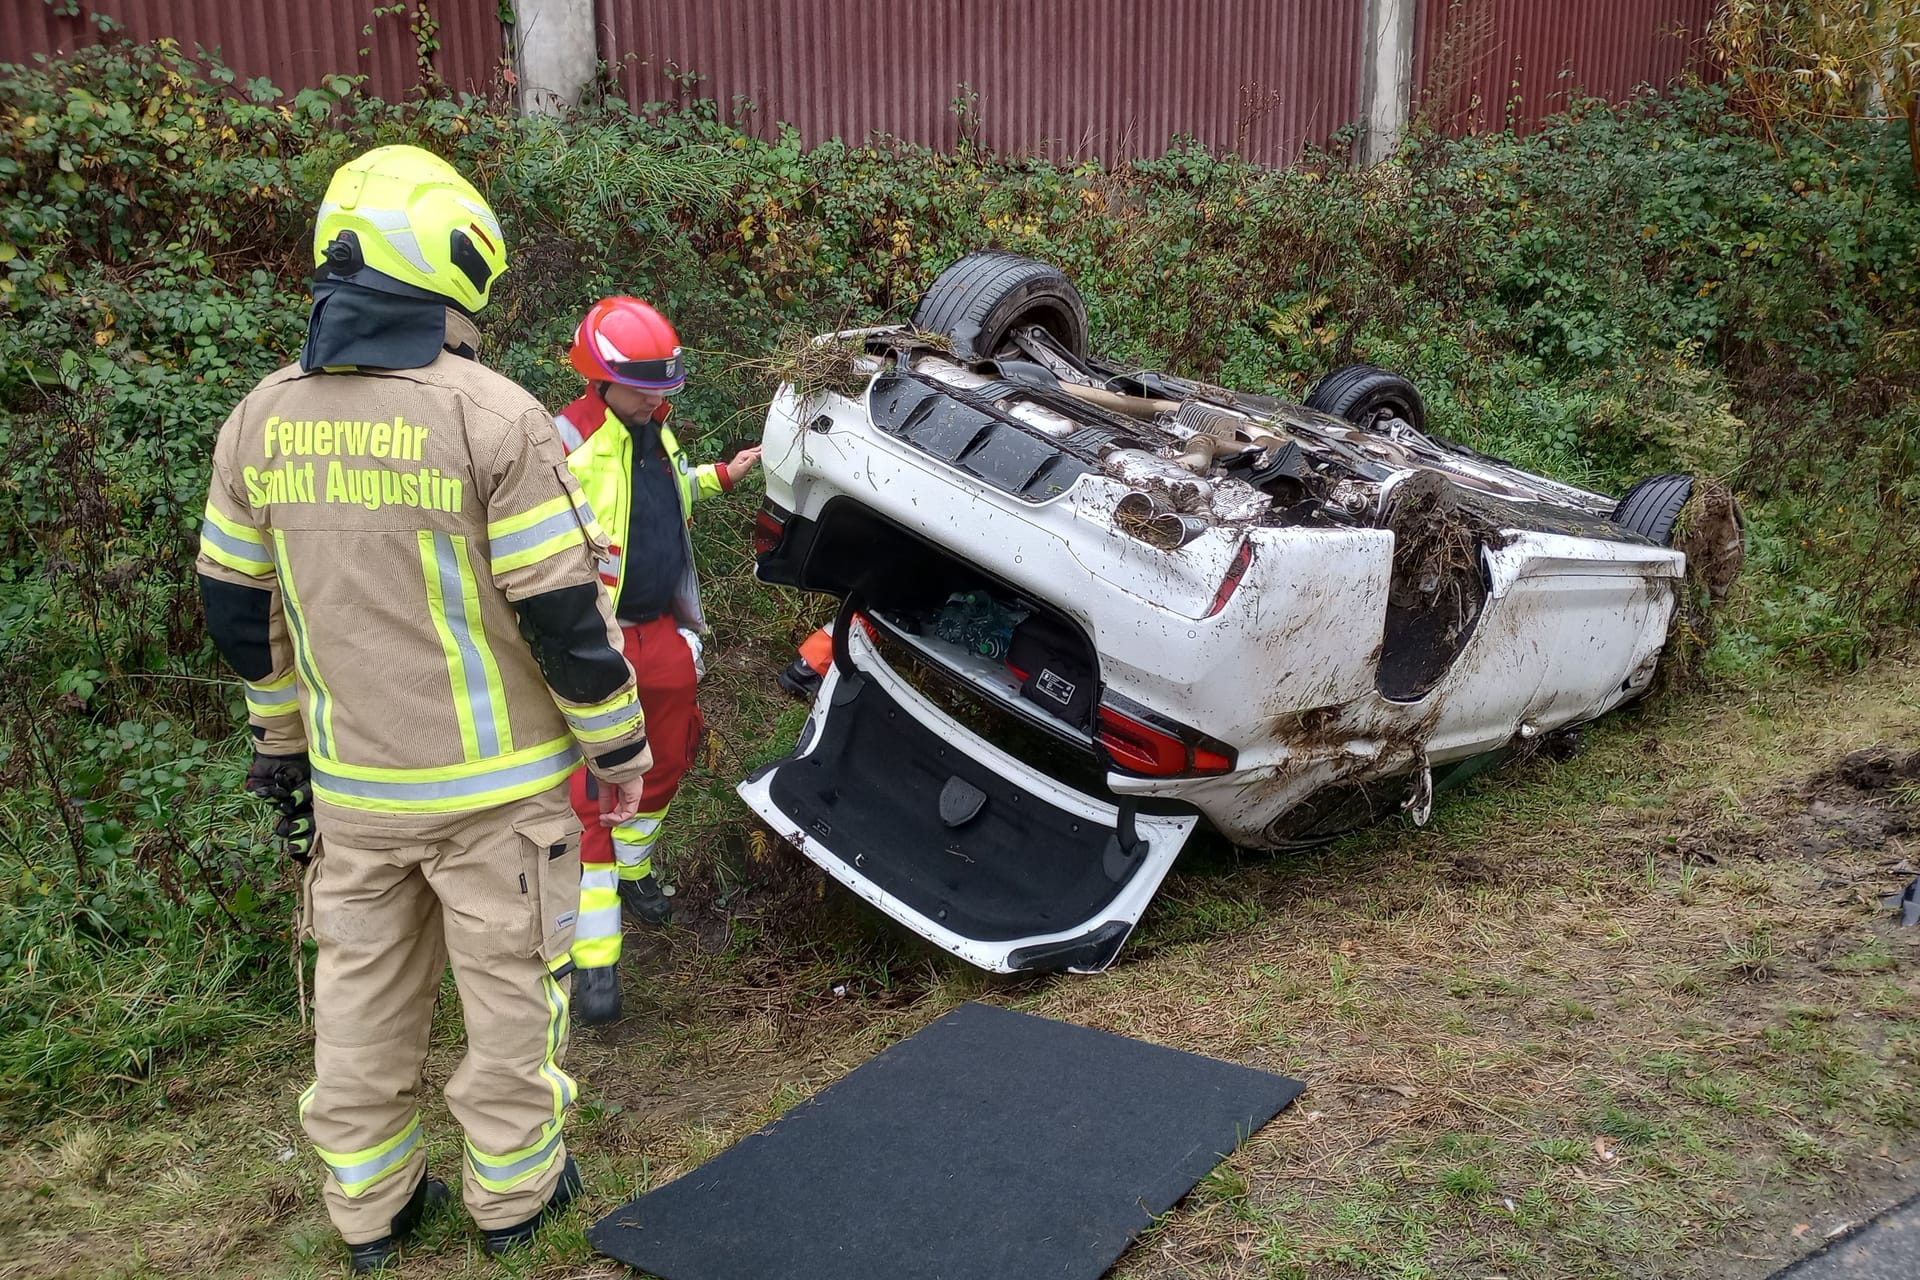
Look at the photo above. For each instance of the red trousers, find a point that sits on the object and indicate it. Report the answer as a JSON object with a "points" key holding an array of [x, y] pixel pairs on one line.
{"points": [[663, 671]]}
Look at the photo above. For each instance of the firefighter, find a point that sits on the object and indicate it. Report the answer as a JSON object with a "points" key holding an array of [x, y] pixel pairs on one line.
{"points": [[400, 567], [641, 486]]}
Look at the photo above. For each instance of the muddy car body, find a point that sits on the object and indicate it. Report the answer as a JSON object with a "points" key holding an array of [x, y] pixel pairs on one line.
{"points": [[1283, 620]]}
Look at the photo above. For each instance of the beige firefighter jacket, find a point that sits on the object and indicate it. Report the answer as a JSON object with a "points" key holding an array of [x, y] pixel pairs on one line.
{"points": [[397, 517]]}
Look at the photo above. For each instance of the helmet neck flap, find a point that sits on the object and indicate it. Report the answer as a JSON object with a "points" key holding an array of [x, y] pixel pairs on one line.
{"points": [[354, 325]]}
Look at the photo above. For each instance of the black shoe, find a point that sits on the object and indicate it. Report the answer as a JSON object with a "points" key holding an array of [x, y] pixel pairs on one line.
{"points": [[374, 1255], [800, 680], [643, 900], [596, 994], [498, 1242]]}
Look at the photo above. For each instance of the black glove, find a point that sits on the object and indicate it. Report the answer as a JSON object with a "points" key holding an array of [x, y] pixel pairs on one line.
{"points": [[286, 783], [283, 780], [296, 829]]}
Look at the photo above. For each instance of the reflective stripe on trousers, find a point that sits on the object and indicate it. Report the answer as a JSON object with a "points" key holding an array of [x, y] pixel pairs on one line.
{"points": [[633, 844], [596, 933], [506, 1171], [358, 1171]]}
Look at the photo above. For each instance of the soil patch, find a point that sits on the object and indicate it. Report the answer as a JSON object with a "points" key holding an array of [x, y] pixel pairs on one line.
{"points": [[1864, 802], [1437, 588]]}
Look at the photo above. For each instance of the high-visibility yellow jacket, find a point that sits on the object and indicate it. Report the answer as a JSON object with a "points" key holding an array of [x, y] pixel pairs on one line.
{"points": [[417, 532], [600, 453]]}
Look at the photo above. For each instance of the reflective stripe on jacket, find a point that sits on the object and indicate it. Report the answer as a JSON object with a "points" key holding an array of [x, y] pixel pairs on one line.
{"points": [[397, 517], [600, 454]]}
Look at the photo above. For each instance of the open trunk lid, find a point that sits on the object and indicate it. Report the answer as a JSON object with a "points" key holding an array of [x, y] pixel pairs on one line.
{"points": [[954, 838]]}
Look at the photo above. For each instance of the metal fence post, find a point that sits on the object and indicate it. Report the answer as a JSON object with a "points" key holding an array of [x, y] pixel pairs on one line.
{"points": [[1386, 77], [555, 51]]}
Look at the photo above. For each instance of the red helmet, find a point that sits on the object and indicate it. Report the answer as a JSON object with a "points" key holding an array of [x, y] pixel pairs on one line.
{"points": [[626, 341]]}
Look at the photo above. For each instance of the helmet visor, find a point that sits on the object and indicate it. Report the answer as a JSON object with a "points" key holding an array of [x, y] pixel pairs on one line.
{"points": [[653, 375]]}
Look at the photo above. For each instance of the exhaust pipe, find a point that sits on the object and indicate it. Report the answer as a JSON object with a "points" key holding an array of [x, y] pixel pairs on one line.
{"points": [[1144, 516], [1203, 451], [1144, 408]]}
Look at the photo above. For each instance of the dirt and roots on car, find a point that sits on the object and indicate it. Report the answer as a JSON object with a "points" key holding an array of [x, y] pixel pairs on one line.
{"points": [[1085, 608]]}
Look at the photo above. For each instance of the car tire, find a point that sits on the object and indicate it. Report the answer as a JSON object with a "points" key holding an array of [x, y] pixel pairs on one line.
{"points": [[1652, 507], [980, 300], [1360, 391]]}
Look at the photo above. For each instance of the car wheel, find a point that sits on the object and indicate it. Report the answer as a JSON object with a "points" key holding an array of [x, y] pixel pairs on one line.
{"points": [[1361, 392], [1652, 507], [981, 300]]}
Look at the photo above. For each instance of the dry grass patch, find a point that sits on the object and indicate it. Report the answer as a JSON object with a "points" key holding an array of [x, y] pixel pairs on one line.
{"points": [[1632, 1015]]}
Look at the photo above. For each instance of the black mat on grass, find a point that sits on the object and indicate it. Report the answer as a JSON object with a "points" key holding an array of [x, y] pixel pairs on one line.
{"points": [[990, 1145]]}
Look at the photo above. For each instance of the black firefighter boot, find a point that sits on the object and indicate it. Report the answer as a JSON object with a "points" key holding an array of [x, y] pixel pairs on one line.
{"points": [[643, 900], [375, 1255], [596, 994], [800, 680], [502, 1239]]}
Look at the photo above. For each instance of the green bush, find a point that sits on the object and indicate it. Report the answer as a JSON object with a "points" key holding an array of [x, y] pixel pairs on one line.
{"points": [[1622, 291]]}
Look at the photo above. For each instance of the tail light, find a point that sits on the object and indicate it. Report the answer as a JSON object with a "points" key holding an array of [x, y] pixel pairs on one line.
{"points": [[1242, 561], [1146, 744], [769, 528]]}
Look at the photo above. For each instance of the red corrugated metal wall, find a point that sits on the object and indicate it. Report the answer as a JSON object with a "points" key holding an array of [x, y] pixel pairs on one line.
{"points": [[1067, 78], [1113, 79], [1476, 61], [292, 44]]}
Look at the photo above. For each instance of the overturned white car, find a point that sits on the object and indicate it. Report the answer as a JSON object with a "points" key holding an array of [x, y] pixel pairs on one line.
{"points": [[1099, 605]]}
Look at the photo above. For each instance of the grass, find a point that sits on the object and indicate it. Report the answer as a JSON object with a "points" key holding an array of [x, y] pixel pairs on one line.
{"points": [[1605, 1018]]}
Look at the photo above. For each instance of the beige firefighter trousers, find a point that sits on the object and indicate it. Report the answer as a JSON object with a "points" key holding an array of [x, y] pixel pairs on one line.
{"points": [[496, 893]]}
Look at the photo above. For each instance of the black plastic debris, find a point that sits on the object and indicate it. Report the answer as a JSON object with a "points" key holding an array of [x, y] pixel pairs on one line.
{"points": [[960, 801], [1907, 903]]}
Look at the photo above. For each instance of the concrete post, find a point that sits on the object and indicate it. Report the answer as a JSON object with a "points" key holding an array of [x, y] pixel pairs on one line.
{"points": [[556, 50], [1386, 77]]}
